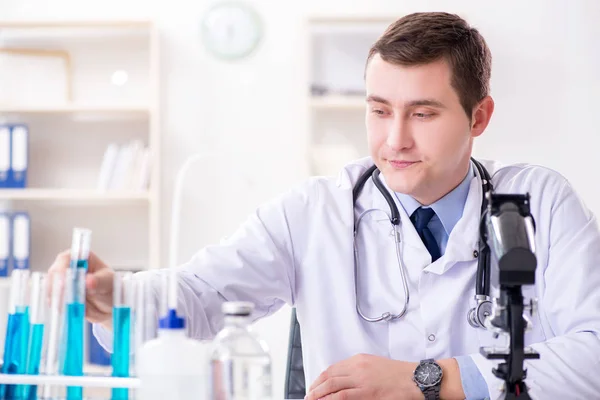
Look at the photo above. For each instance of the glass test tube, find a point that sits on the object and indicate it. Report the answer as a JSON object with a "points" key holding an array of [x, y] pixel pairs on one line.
{"points": [[17, 332], [38, 311], [75, 308], [123, 299], [145, 314], [55, 332]]}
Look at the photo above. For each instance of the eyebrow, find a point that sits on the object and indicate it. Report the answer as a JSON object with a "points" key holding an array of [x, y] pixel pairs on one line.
{"points": [[413, 103]]}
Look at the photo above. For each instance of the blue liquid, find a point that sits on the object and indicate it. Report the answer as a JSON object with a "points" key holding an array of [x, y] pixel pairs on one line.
{"points": [[120, 357], [15, 350], [73, 364], [34, 358], [79, 264]]}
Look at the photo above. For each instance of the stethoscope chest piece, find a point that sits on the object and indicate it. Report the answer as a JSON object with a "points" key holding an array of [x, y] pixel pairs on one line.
{"points": [[478, 314]]}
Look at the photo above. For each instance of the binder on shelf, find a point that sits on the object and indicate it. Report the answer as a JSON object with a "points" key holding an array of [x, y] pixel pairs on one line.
{"points": [[5, 149], [21, 233], [5, 233], [125, 167], [19, 156]]}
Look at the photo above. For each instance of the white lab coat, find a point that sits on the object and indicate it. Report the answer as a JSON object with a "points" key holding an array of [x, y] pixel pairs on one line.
{"points": [[297, 249]]}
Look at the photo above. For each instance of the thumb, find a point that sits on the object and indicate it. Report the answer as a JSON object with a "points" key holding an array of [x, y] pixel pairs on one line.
{"points": [[99, 282]]}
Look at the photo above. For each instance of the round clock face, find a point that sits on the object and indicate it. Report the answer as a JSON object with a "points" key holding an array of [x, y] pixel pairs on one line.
{"points": [[231, 30]]}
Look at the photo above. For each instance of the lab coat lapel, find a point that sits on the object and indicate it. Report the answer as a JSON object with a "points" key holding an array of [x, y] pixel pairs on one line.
{"points": [[409, 233], [412, 243], [464, 238]]}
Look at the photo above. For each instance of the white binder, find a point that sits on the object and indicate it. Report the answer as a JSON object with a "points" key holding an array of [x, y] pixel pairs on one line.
{"points": [[20, 159], [5, 232], [21, 236], [5, 149]]}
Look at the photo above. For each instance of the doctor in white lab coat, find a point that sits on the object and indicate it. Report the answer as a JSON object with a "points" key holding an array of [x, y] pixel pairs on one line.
{"points": [[427, 83]]}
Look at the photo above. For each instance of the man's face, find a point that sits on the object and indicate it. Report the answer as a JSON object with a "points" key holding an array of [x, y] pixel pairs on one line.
{"points": [[419, 135]]}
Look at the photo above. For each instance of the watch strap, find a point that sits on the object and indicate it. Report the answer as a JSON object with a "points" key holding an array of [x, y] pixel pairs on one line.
{"points": [[432, 393]]}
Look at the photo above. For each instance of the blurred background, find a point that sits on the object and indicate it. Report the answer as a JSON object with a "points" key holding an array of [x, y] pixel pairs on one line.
{"points": [[110, 98]]}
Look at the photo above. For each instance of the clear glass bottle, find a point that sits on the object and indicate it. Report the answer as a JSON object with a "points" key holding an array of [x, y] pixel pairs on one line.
{"points": [[240, 360]]}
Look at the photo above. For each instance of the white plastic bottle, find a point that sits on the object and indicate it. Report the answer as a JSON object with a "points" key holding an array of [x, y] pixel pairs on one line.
{"points": [[240, 360], [172, 366]]}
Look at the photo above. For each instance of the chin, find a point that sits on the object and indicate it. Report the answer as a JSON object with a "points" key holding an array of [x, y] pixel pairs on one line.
{"points": [[400, 184]]}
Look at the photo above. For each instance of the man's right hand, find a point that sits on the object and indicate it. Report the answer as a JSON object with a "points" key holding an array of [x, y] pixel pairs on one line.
{"points": [[98, 287]]}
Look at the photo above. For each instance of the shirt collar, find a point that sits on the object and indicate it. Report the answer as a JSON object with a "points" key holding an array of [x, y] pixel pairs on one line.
{"points": [[449, 208]]}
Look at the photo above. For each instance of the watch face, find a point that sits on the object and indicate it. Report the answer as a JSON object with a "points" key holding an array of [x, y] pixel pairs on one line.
{"points": [[428, 374]]}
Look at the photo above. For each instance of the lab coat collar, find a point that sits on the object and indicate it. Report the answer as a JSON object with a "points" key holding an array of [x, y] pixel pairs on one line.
{"points": [[463, 239], [449, 208]]}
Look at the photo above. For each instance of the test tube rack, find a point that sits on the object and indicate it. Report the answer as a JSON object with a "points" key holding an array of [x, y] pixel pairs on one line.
{"points": [[97, 381]]}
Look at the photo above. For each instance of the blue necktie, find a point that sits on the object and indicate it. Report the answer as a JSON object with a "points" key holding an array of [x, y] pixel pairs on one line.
{"points": [[420, 219]]}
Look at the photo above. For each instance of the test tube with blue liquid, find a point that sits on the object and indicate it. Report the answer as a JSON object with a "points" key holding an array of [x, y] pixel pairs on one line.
{"points": [[17, 332], [75, 309], [123, 298], [38, 313]]}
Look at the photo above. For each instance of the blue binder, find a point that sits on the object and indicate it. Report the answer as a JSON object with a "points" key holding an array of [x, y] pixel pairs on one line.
{"points": [[21, 237], [5, 149], [5, 232], [19, 156]]}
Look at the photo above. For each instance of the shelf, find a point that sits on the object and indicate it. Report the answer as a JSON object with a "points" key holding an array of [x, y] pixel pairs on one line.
{"points": [[24, 24], [338, 102], [351, 19], [73, 195], [95, 110], [41, 31]]}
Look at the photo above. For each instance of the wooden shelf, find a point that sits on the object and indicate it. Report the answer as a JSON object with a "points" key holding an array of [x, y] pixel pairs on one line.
{"points": [[338, 102], [73, 195]]}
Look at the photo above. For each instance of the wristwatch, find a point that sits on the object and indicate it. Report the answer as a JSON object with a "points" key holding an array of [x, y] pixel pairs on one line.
{"points": [[428, 377]]}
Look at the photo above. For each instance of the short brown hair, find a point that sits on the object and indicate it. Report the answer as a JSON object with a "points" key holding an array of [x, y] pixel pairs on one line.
{"points": [[421, 38]]}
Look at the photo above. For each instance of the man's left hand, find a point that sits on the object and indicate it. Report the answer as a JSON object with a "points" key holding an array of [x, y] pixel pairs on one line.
{"points": [[366, 376]]}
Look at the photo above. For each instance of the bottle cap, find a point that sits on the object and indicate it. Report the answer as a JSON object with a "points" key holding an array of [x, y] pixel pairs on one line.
{"points": [[237, 308], [171, 321]]}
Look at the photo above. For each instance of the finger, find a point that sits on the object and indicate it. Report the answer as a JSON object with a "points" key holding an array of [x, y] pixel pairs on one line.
{"points": [[95, 314], [100, 282], [95, 263], [61, 262], [337, 369], [330, 386], [348, 394]]}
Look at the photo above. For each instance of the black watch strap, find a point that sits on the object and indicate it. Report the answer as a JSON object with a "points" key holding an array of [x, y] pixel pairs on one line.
{"points": [[432, 393]]}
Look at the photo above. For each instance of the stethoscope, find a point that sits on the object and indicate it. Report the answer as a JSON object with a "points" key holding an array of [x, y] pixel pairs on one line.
{"points": [[476, 315]]}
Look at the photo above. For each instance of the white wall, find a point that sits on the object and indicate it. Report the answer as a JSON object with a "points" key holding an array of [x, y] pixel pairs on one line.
{"points": [[545, 83]]}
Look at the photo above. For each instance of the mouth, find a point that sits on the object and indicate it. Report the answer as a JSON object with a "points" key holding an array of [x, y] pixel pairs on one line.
{"points": [[396, 164]]}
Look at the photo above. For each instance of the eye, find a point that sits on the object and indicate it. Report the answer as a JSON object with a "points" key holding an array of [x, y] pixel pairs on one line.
{"points": [[422, 115], [377, 111]]}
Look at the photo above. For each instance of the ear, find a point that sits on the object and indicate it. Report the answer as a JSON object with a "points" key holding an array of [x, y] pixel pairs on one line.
{"points": [[482, 113]]}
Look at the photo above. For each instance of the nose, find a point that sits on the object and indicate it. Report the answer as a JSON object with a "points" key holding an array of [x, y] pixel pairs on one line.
{"points": [[399, 135]]}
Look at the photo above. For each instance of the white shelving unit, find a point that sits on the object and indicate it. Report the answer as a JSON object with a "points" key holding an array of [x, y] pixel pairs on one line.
{"points": [[337, 51], [120, 111], [71, 195], [93, 112]]}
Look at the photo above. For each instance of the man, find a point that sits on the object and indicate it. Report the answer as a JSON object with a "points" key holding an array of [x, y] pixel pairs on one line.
{"points": [[427, 82]]}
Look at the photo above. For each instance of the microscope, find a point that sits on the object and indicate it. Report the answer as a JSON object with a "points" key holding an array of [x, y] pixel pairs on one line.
{"points": [[508, 229]]}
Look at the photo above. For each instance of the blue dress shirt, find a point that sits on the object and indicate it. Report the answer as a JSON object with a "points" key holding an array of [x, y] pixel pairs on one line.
{"points": [[448, 210]]}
